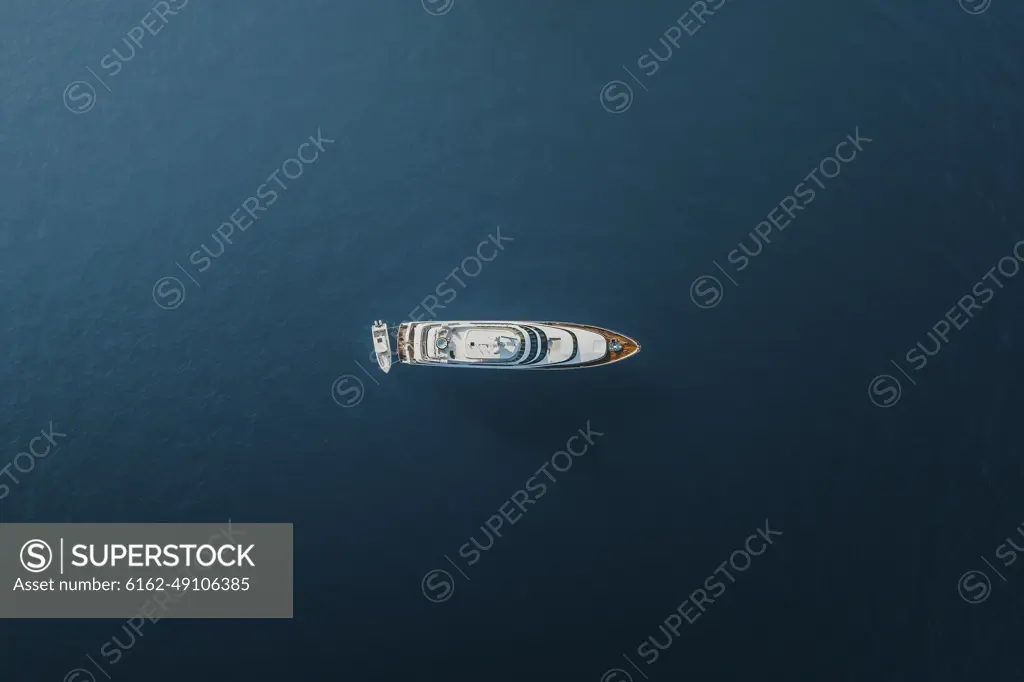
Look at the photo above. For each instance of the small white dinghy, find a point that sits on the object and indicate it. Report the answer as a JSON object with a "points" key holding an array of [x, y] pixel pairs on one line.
{"points": [[382, 344]]}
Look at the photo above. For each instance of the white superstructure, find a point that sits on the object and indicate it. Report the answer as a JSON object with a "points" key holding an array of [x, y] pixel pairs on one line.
{"points": [[508, 345]]}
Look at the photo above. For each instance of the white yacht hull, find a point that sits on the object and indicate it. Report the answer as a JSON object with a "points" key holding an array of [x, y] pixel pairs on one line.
{"points": [[382, 345], [509, 345]]}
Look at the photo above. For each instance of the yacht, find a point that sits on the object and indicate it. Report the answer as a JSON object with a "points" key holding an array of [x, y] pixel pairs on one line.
{"points": [[501, 344]]}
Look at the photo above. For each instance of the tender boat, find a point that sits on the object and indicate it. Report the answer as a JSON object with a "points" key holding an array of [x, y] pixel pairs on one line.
{"points": [[501, 345], [382, 345]]}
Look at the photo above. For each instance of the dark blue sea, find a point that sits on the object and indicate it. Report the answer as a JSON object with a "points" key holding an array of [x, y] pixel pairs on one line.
{"points": [[806, 213]]}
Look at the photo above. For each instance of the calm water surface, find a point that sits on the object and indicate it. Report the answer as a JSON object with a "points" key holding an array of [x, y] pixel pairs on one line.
{"points": [[627, 155]]}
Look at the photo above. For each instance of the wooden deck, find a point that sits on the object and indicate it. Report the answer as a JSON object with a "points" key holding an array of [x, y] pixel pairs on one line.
{"points": [[629, 346], [403, 332]]}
